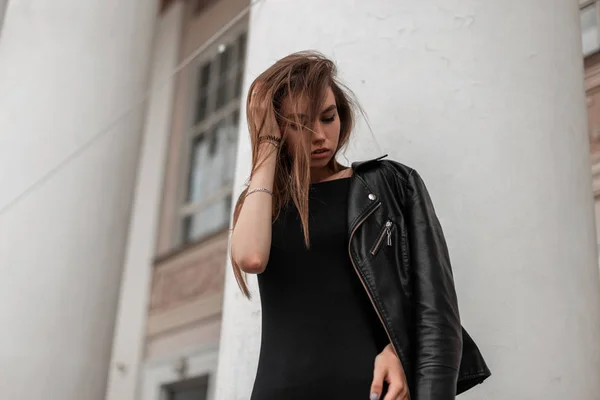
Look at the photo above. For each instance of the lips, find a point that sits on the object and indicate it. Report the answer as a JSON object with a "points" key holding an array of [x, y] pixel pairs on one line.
{"points": [[320, 154]]}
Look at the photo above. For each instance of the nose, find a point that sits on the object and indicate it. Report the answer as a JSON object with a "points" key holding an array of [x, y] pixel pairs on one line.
{"points": [[318, 134]]}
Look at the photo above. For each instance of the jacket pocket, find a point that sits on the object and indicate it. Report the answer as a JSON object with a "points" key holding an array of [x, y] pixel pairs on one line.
{"points": [[385, 236]]}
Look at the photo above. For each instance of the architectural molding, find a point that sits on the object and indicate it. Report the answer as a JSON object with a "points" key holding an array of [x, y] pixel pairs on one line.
{"points": [[187, 314], [197, 272]]}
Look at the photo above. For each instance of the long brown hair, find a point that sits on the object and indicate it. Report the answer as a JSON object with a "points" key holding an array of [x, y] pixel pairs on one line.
{"points": [[302, 75]]}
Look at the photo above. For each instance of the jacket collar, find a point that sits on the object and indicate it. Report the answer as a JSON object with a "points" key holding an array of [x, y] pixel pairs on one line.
{"points": [[359, 164], [362, 198]]}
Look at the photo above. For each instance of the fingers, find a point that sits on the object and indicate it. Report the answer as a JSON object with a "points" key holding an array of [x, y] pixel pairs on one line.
{"points": [[261, 114], [394, 376], [397, 391], [258, 96], [377, 384]]}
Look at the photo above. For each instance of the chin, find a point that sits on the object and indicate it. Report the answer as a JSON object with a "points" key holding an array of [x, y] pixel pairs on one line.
{"points": [[320, 163]]}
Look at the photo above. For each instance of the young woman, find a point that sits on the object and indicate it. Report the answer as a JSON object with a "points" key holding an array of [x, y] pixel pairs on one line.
{"points": [[355, 281]]}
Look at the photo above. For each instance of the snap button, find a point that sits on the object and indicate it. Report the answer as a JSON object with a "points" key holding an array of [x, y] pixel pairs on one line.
{"points": [[372, 196]]}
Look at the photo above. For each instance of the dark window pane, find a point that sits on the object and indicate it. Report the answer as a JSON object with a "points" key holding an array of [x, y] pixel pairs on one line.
{"points": [[204, 75], [231, 131], [224, 65], [201, 109], [225, 59], [198, 145], [214, 141], [235, 118], [187, 229], [238, 83], [241, 45], [202, 103], [216, 134], [221, 94]]}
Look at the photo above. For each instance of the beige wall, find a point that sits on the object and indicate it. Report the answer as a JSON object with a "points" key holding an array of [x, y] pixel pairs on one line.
{"points": [[184, 316], [186, 302]]}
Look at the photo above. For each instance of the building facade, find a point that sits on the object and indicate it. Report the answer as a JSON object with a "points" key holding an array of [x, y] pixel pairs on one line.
{"points": [[179, 350]]}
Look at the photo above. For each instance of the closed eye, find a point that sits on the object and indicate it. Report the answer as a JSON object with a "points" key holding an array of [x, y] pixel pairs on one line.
{"points": [[328, 120], [297, 126]]}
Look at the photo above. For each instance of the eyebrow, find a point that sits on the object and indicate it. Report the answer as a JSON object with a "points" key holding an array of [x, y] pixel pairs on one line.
{"points": [[330, 108], [299, 116]]}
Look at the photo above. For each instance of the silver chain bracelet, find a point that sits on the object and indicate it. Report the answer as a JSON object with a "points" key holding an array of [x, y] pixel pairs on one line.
{"points": [[259, 190]]}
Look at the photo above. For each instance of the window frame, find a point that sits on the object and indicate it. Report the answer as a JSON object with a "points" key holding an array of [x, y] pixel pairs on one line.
{"points": [[193, 130], [584, 4]]}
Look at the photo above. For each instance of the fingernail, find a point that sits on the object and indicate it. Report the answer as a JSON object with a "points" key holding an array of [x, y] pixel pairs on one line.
{"points": [[374, 396]]}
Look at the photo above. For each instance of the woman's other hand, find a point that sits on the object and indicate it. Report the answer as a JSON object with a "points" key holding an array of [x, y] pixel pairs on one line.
{"points": [[389, 369]]}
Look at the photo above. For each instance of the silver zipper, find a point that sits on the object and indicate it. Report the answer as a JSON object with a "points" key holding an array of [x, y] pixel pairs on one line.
{"points": [[367, 290], [385, 232]]}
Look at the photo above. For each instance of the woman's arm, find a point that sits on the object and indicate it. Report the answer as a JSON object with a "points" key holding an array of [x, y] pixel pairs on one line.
{"points": [[438, 330], [251, 237]]}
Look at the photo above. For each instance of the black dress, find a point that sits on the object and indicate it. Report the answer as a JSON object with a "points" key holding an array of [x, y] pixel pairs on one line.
{"points": [[320, 333]]}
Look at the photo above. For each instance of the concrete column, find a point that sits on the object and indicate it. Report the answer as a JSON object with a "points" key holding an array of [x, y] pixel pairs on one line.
{"points": [[68, 69], [130, 331], [486, 100]]}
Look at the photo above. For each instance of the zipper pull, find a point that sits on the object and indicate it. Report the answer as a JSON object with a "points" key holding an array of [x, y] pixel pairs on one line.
{"points": [[388, 227]]}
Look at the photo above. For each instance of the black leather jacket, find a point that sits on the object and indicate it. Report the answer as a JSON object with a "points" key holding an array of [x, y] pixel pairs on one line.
{"points": [[399, 253]]}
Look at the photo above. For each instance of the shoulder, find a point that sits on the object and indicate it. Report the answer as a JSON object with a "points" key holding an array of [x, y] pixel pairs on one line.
{"points": [[392, 175], [387, 167]]}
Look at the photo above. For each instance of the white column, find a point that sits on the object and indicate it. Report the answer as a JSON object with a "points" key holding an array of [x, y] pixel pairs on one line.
{"points": [[130, 330], [68, 68], [485, 99]]}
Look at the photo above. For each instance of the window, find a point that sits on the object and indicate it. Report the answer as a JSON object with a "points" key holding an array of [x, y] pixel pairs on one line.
{"points": [[590, 33], [192, 389], [211, 157]]}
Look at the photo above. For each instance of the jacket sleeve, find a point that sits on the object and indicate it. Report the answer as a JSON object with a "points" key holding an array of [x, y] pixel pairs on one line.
{"points": [[438, 334]]}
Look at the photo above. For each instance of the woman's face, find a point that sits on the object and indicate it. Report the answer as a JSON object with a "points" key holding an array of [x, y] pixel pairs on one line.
{"points": [[324, 131]]}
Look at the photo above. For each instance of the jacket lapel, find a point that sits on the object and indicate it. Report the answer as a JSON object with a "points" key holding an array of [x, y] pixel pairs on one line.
{"points": [[361, 198]]}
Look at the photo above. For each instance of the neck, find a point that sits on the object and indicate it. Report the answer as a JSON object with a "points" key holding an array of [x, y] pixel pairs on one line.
{"points": [[325, 173], [320, 174]]}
